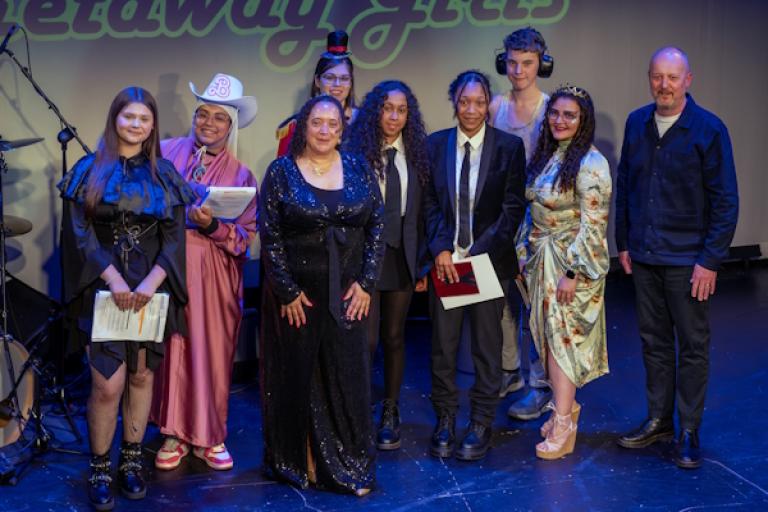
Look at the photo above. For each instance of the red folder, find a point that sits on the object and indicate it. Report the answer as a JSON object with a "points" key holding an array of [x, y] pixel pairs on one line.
{"points": [[467, 284]]}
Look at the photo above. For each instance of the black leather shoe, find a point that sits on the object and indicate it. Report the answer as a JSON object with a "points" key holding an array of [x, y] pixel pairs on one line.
{"points": [[444, 436], [99, 490], [129, 477], [388, 435], [653, 430], [687, 450], [476, 442]]}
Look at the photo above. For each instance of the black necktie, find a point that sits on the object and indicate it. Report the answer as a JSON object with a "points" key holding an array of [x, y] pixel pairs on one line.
{"points": [[392, 218], [464, 199]]}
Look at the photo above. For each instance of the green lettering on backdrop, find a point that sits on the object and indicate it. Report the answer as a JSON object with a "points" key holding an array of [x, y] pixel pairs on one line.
{"points": [[291, 30]]}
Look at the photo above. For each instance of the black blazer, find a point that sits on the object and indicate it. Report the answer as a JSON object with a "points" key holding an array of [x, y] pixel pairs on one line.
{"points": [[413, 225], [499, 198]]}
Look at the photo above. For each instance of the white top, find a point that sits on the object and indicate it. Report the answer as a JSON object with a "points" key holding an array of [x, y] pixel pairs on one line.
{"points": [[476, 145], [663, 123], [402, 169], [530, 131]]}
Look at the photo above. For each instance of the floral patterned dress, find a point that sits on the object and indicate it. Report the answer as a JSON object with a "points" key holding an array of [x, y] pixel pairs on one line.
{"points": [[562, 231]]}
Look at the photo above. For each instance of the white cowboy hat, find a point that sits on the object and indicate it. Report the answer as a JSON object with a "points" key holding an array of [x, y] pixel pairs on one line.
{"points": [[228, 90]]}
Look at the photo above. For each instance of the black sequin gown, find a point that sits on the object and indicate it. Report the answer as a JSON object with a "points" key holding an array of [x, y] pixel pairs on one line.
{"points": [[136, 213], [315, 379]]}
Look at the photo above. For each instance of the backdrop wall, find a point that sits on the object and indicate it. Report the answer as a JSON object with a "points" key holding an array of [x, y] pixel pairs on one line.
{"points": [[84, 51]]}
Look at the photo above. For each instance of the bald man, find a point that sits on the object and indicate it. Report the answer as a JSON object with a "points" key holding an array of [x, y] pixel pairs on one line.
{"points": [[676, 212]]}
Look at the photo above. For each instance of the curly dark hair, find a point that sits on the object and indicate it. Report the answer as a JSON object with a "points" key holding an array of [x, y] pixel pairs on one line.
{"points": [[526, 39], [462, 81], [328, 61], [299, 139], [366, 136], [579, 146]]}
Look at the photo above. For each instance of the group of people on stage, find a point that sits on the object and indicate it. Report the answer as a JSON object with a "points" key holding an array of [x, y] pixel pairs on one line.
{"points": [[356, 210]]}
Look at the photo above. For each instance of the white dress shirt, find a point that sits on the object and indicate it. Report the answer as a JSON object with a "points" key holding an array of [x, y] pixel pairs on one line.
{"points": [[476, 145], [402, 169]]}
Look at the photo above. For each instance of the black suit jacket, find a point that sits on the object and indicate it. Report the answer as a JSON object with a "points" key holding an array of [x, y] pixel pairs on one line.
{"points": [[499, 198], [413, 225]]}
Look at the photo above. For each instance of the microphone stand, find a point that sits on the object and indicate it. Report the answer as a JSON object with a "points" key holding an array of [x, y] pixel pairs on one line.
{"points": [[67, 133], [72, 131]]}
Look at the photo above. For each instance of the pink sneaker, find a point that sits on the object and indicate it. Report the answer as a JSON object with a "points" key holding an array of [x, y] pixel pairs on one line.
{"points": [[217, 457], [170, 454]]}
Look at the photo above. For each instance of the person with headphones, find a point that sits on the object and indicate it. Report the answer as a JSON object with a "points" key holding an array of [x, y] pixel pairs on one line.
{"points": [[521, 111]]}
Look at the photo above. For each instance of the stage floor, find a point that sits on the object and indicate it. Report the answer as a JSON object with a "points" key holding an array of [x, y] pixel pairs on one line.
{"points": [[599, 476]]}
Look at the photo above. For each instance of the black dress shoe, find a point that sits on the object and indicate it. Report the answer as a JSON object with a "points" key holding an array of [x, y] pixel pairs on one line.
{"points": [[129, 477], [444, 436], [653, 430], [476, 442], [687, 451], [99, 490], [388, 435]]}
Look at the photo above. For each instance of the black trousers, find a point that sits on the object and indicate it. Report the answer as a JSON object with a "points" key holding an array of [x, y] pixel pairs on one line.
{"points": [[665, 308], [485, 320]]}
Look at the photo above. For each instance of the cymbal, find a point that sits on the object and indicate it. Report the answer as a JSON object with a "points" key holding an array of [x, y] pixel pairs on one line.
{"points": [[15, 226], [8, 145]]}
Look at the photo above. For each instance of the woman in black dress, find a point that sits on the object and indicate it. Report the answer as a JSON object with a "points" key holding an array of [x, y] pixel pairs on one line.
{"points": [[321, 227], [389, 133], [123, 231]]}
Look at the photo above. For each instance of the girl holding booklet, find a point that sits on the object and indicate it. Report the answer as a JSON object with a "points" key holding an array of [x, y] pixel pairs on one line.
{"points": [[123, 230], [192, 389]]}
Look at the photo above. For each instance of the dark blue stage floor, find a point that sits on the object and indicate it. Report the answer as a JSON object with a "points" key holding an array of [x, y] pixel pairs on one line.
{"points": [[598, 476]]}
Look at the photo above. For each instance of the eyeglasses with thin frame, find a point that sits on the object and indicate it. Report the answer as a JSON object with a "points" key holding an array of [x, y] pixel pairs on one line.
{"points": [[202, 117], [568, 116], [330, 78]]}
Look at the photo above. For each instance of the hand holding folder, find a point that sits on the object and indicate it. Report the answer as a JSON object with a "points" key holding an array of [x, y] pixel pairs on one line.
{"points": [[477, 283]]}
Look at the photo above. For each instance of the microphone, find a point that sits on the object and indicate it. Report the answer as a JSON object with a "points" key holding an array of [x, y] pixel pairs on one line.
{"points": [[12, 30]]}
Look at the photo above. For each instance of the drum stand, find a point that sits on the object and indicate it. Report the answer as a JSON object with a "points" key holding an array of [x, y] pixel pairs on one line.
{"points": [[10, 405], [12, 400]]}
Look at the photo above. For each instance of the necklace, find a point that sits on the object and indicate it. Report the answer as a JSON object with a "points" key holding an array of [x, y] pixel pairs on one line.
{"points": [[199, 167], [318, 169]]}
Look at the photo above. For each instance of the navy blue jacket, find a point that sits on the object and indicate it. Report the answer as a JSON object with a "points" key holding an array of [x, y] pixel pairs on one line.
{"points": [[676, 198]]}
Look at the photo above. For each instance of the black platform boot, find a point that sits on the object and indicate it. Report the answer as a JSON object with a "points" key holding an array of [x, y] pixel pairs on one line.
{"points": [[99, 490], [388, 435], [129, 477]]}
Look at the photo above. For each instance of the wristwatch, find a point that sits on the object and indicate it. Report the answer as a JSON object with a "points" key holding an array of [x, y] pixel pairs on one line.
{"points": [[570, 274]]}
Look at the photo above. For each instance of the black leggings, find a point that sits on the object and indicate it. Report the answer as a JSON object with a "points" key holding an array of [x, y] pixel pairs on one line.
{"points": [[388, 314]]}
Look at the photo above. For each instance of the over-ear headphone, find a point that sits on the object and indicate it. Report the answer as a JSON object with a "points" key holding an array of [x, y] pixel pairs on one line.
{"points": [[546, 64]]}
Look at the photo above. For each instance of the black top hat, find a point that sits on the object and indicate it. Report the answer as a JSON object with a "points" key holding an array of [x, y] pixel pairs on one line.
{"points": [[337, 44]]}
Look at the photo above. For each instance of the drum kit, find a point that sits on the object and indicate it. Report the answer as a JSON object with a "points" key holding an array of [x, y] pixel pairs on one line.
{"points": [[16, 387], [20, 369]]}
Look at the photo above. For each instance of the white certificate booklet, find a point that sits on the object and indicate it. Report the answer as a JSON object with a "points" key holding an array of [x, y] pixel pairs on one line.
{"points": [[147, 324], [228, 202], [488, 284]]}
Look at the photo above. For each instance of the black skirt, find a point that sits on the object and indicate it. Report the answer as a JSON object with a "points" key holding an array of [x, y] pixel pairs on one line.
{"points": [[395, 275]]}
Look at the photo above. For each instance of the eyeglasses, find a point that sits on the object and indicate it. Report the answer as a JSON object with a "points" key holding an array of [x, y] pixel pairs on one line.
{"points": [[330, 78], [568, 116], [202, 117]]}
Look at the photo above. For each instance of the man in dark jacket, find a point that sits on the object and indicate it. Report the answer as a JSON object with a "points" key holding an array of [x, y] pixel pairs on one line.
{"points": [[676, 212]]}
